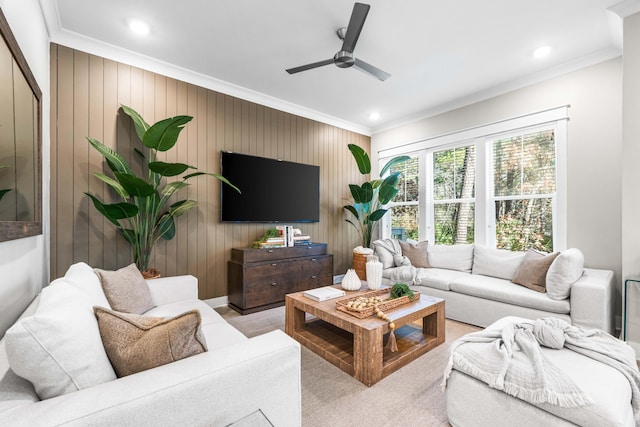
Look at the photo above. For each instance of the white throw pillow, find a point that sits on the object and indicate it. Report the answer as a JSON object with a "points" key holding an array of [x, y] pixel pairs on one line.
{"points": [[494, 262], [59, 349], [451, 257], [566, 269], [82, 276], [386, 249]]}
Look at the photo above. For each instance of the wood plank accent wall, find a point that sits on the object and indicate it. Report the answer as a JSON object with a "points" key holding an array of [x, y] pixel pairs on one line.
{"points": [[86, 92]]}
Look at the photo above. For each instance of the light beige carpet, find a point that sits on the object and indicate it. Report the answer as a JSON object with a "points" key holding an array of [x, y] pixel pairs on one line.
{"points": [[409, 397]]}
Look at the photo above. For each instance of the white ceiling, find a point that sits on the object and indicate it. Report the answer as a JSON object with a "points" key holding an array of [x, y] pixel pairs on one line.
{"points": [[440, 54]]}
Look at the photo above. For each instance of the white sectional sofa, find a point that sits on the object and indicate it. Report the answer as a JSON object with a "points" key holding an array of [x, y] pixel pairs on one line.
{"points": [[476, 283], [236, 378]]}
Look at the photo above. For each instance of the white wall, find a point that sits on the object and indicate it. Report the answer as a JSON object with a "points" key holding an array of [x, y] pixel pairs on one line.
{"points": [[631, 170], [594, 151], [24, 263]]}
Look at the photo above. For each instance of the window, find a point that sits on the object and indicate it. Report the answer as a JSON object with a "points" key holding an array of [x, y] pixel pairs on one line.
{"points": [[454, 177], [404, 206], [524, 188], [502, 185]]}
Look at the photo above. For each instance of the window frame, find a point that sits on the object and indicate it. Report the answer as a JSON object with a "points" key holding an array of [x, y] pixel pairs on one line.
{"points": [[483, 137]]}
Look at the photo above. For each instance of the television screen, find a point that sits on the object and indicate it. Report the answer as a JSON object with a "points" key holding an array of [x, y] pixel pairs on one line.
{"points": [[272, 190]]}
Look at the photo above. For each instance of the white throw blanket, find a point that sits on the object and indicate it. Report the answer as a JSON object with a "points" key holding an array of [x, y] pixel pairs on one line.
{"points": [[510, 360]]}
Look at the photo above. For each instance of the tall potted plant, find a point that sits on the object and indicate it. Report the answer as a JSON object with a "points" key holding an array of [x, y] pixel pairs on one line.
{"points": [[370, 198], [144, 215]]}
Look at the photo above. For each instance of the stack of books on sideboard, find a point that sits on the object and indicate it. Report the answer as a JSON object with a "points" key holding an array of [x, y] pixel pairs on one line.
{"points": [[289, 237]]}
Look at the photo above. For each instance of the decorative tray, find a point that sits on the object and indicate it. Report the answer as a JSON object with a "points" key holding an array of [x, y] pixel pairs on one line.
{"points": [[386, 304]]}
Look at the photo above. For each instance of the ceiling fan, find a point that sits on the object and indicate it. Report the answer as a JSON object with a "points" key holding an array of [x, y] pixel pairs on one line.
{"points": [[344, 58]]}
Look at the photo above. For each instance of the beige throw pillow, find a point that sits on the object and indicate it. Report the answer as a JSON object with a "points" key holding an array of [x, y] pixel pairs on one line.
{"points": [[532, 271], [136, 343], [126, 289], [417, 253]]}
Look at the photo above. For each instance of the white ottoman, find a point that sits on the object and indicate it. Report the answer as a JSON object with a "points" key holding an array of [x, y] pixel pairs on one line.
{"points": [[471, 402]]}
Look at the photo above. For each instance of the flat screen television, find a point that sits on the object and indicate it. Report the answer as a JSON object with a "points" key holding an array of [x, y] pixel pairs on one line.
{"points": [[272, 190]]}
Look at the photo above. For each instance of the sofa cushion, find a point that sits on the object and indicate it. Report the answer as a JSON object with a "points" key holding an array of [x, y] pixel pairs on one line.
{"points": [[565, 270], [451, 257], [416, 253], [58, 349], [136, 343], [126, 289], [494, 262], [207, 314], [84, 278], [504, 291], [437, 278], [221, 334], [532, 271]]}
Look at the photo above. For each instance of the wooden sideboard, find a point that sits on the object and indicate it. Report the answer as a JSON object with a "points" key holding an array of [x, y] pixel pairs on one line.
{"points": [[259, 279]]}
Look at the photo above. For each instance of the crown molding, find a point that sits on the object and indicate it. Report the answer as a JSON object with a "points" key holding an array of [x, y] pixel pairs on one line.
{"points": [[626, 8], [96, 47]]}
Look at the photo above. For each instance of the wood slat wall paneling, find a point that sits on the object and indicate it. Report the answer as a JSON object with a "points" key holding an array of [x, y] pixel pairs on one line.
{"points": [[87, 92]]}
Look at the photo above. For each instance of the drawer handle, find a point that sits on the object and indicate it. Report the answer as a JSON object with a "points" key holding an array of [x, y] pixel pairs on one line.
{"points": [[314, 276], [274, 264], [313, 260], [274, 283], [270, 251]]}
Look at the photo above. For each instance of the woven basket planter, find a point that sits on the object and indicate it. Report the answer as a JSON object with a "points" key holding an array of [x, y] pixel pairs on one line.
{"points": [[360, 265]]}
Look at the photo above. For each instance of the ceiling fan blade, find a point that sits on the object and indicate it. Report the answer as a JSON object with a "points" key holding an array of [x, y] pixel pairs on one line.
{"points": [[310, 66], [370, 69], [356, 23]]}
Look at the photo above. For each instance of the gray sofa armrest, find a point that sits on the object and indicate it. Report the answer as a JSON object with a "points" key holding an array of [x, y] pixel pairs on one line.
{"points": [[212, 388], [592, 300], [166, 290]]}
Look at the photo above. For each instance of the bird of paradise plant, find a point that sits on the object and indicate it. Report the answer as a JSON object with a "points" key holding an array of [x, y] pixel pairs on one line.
{"points": [[371, 197], [144, 215]]}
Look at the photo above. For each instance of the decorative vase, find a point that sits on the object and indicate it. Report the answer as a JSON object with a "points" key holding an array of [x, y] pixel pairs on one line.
{"points": [[351, 281], [374, 274]]}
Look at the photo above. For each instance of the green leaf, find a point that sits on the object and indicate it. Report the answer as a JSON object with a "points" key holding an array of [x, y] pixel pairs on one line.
{"points": [[116, 211], [361, 157], [113, 184], [169, 169], [141, 125], [3, 192], [163, 135], [353, 210], [388, 189], [377, 215], [166, 227], [135, 186], [362, 194], [392, 162], [181, 207], [116, 162], [215, 175], [140, 153], [172, 187], [129, 235]]}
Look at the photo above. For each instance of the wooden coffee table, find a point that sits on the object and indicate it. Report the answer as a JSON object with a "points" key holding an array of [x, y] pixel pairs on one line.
{"points": [[357, 345]]}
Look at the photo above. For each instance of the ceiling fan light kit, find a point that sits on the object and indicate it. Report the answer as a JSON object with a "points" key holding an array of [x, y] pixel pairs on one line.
{"points": [[344, 57]]}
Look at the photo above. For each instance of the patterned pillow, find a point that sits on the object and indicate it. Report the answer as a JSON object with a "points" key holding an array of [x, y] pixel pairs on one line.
{"points": [[136, 343]]}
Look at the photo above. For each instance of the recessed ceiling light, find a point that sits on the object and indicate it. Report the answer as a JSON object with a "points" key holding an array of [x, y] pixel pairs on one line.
{"points": [[542, 51], [139, 27], [374, 116]]}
